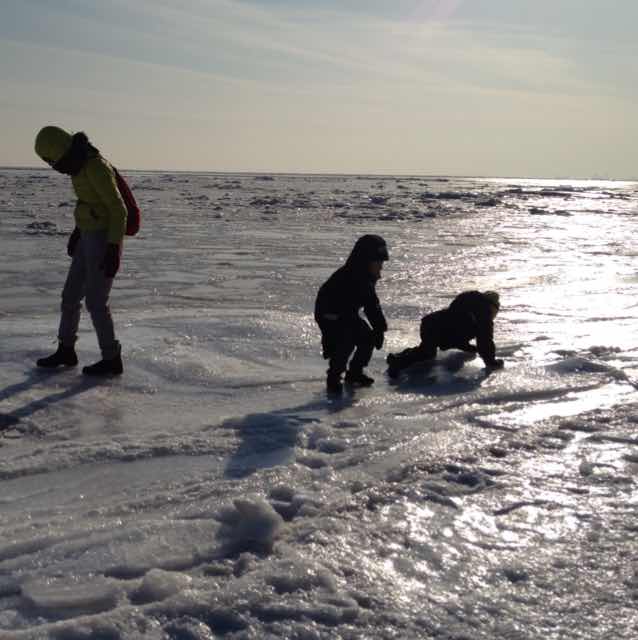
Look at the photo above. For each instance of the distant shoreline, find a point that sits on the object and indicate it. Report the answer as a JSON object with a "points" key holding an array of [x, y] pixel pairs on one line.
{"points": [[372, 176]]}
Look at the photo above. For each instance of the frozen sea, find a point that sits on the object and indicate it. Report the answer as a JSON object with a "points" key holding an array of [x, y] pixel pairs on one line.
{"points": [[215, 491]]}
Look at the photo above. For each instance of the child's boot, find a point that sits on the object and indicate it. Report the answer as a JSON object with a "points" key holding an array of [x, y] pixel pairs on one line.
{"points": [[356, 377], [64, 356], [112, 367]]}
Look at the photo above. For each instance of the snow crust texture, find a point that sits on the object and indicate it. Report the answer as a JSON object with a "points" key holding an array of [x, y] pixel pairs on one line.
{"points": [[216, 491]]}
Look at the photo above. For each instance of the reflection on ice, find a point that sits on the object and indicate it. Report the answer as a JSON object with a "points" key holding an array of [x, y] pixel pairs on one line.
{"points": [[216, 491], [566, 402]]}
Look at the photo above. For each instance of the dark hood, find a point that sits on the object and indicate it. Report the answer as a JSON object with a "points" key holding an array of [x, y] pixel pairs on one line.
{"points": [[367, 249]]}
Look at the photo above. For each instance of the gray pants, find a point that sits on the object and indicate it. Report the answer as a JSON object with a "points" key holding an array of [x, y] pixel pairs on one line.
{"points": [[87, 280]]}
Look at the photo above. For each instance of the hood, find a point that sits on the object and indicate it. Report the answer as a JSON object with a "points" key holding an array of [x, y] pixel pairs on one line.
{"points": [[52, 143], [493, 298], [367, 249], [66, 153]]}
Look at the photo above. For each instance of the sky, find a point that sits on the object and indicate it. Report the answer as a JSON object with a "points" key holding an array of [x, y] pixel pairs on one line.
{"points": [[535, 88]]}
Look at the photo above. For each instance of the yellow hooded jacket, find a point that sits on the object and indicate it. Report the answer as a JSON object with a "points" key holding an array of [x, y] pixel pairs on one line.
{"points": [[99, 205]]}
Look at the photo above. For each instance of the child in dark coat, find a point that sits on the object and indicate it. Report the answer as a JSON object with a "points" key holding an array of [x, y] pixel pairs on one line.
{"points": [[470, 315], [339, 300]]}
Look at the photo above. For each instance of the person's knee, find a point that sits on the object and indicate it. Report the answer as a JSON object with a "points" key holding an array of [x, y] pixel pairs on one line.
{"points": [[70, 303], [70, 300], [342, 349], [71, 297], [339, 361], [96, 305], [365, 340]]}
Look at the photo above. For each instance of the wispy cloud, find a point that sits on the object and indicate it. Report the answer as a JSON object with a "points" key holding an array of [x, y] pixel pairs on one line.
{"points": [[424, 74]]}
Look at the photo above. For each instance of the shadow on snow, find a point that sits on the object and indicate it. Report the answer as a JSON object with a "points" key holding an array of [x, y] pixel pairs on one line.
{"points": [[269, 439]]}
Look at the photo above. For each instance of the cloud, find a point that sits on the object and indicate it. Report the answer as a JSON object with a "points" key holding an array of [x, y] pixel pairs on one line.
{"points": [[315, 47], [231, 85]]}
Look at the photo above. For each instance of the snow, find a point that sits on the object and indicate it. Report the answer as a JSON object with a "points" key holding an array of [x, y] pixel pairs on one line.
{"points": [[250, 524], [214, 490], [158, 585]]}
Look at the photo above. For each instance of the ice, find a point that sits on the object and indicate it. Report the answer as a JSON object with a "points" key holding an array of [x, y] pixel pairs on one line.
{"points": [[578, 364], [159, 585], [216, 491], [250, 524], [302, 576], [43, 228], [60, 597], [313, 461]]}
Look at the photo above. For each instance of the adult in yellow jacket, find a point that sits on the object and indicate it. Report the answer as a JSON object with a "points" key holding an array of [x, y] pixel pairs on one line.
{"points": [[94, 245]]}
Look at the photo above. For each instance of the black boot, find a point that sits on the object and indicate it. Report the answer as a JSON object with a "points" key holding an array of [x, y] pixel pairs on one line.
{"points": [[358, 378], [333, 383], [112, 367], [64, 356]]}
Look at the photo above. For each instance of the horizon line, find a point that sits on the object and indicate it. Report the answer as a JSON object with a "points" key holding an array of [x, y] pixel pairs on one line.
{"points": [[345, 174]]}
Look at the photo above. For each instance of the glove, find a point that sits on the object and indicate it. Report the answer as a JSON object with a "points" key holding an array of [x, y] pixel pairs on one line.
{"points": [[72, 242], [377, 337], [111, 262], [496, 364]]}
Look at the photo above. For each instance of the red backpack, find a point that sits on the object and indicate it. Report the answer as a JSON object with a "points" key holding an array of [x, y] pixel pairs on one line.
{"points": [[134, 217]]}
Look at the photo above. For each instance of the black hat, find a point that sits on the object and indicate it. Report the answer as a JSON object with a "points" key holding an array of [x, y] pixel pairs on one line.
{"points": [[369, 248]]}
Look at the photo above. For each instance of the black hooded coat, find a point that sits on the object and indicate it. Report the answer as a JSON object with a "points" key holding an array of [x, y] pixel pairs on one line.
{"points": [[468, 316], [350, 289]]}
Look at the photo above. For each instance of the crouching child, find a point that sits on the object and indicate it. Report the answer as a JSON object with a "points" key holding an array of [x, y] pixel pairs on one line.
{"points": [[470, 315], [343, 330]]}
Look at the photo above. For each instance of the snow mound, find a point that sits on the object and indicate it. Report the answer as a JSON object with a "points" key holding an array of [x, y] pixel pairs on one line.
{"points": [[159, 585], [577, 364], [301, 576], [250, 524]]}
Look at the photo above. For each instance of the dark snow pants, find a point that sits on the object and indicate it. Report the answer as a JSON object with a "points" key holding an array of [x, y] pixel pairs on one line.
{"points": [[86, 279], [430, 341], [345, 338]]}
